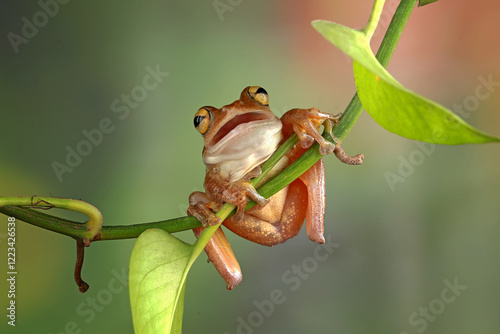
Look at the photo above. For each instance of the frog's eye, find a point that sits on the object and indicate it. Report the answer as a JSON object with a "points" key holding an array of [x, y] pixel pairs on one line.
{"points": [[202, 120], [259, 94]]}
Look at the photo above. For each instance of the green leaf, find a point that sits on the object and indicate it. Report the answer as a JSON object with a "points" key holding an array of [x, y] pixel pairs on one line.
{"points": [[392, 106], [354, 43], [407, 114], [157, 282], [425, 2]]}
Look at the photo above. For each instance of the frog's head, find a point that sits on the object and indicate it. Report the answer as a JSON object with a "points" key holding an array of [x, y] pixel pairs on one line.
{"points": [[240, 135]]}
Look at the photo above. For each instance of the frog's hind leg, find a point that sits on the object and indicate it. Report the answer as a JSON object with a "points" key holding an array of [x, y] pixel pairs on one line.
{"points": [[314, 179], [221, 255], [280, 220]]}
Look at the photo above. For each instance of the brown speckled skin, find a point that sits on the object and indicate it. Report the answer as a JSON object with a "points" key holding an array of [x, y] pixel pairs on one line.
{"points": [[275, 220]]}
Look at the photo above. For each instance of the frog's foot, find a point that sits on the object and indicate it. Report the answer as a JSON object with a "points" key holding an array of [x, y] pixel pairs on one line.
{"points": [[238, 194], [200, 207], [306, 122]]}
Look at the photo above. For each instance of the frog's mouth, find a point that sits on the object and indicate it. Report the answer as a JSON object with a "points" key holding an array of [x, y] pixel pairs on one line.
{"points": [[236, 121]]}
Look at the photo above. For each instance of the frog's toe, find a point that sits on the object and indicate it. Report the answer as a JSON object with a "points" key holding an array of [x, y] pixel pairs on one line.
{"points": [[263, 202], [305, 140], [212, 220], [326, 147], [253, 194], [238, 216], [203, 214]]}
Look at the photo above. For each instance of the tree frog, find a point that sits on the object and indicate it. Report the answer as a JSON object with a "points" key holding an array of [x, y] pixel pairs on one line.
{"points": [[239, 138]]}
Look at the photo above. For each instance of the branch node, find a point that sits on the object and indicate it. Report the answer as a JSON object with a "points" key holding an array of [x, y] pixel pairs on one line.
{"points": [[86, 242]]}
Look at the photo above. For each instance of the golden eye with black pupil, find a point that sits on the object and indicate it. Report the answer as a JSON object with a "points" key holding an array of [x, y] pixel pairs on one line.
{"points": [[202, 120], [259, 94]]}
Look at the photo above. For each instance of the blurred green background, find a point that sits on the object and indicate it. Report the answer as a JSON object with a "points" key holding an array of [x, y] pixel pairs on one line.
{"points": [[397, 245]]}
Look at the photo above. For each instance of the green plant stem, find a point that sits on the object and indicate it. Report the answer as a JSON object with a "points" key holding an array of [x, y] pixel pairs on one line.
{"points": [[91, 227], [370, 27], [78, 230], [384, 54], [394, 31], [309, 158]]}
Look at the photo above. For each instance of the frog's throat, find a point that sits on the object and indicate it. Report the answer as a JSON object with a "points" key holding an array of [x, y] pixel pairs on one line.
{"points": [[244, 148]]}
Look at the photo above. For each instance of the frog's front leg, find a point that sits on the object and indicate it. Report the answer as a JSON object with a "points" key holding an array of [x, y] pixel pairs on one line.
{"points": [[305, 123], [236, 193], [220, 191]]}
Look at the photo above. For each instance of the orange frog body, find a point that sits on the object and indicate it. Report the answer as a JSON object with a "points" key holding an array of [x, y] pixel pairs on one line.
{"points": [[239, 138]]}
